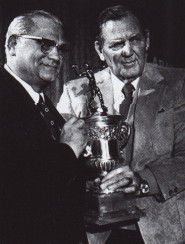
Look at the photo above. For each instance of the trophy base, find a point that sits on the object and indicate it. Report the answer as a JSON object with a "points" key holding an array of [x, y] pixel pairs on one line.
{"points": [[104, 209]]}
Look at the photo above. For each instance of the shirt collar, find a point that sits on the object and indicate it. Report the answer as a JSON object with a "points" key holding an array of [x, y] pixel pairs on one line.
{"points": [[118, 84], [33, 94]]}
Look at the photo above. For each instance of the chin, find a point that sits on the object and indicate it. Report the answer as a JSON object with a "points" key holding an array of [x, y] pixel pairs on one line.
{"points": [[47, 80], [131, 73], [48, 77]]}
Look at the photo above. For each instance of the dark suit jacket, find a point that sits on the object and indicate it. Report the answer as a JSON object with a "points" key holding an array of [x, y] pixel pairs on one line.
{"points": [[38, 177], [157, 146]]}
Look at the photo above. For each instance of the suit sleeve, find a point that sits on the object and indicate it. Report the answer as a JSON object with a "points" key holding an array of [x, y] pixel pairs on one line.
{"points": [[32, 158], [167, 174]]}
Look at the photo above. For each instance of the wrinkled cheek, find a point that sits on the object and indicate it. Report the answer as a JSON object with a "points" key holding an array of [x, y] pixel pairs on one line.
{"points": [[116, 59], [140, 54], [113, 62]]}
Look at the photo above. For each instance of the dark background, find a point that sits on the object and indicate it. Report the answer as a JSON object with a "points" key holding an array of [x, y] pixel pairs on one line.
{"points": [[164, 18]]}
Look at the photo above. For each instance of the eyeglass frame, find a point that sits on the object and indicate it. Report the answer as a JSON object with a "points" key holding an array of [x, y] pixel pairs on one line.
{"points": [[42, 39]]}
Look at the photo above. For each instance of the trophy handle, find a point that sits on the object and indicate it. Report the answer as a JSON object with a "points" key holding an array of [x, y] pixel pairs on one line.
{"points": [[125, 131]]}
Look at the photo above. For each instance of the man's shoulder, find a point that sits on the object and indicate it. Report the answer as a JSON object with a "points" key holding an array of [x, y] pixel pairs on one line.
{"points": [[5, 83], [171, 80], [100, 76], [8, 82], [9, 87], [169, 73], [3, 72], [5, 75], [174, 81]]}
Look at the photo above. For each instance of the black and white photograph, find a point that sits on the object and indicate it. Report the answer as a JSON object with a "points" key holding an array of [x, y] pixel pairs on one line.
{"points": [[92, 122]]}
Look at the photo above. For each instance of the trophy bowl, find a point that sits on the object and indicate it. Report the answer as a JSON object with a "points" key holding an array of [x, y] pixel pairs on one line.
{"points": [[108, 134]]}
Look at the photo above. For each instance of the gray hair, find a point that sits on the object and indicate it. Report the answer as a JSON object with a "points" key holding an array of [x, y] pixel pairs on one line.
{"points": [[115, 13], [24, 24]]}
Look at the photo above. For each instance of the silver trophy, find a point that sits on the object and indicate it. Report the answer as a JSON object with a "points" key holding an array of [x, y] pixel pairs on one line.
{"points": [[108, 135]]}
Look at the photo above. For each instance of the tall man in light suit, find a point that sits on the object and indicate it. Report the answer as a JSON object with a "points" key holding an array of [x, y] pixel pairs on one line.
{"points": [[38, 150], [155, 154]]}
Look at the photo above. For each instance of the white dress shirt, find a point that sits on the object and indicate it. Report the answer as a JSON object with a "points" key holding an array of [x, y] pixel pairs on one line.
{"points": [[118, 85]]}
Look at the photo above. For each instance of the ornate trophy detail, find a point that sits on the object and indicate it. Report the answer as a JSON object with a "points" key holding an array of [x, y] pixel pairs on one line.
{"points": [[108, 135]]}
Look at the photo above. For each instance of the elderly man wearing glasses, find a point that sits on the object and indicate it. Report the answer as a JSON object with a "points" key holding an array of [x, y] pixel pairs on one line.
{"points": [[38, 151]]}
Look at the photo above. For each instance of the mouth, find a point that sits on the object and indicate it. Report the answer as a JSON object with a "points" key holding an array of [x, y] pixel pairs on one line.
{"points": [[129, 63], [49, 66]]}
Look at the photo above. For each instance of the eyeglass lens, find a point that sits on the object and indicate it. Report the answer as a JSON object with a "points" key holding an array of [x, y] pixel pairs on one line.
{"points": [[48, 45]]}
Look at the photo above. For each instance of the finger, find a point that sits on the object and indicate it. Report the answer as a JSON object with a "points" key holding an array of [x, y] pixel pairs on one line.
{"points": [[125, 177], [79, 123], [119, 180], [111, 185], [70, 123], [131, 181], [113, 180], [115, 172], [129, 189], [72, 120], [125, 171]]}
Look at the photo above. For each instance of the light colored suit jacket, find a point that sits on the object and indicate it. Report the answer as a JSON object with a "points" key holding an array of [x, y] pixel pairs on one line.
{"points": [[158, 143]]}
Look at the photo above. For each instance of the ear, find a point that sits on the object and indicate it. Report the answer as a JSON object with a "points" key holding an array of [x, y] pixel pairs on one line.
{"points": [[11, 45], [147, 36], [98, 49]]}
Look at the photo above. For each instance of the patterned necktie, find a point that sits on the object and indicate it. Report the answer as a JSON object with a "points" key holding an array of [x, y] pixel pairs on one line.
{"points": [[127, 90], [49, 118]]}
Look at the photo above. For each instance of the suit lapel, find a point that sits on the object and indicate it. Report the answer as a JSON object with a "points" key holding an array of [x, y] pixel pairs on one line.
{"points": [[144, 113]]}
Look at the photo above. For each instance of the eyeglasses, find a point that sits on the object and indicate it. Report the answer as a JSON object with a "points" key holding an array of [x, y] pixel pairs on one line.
{"points": [[47, 45]]}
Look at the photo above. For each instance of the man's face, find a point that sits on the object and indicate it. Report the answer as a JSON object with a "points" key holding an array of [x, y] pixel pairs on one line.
{"points": [[31, 64], [124, 48]]}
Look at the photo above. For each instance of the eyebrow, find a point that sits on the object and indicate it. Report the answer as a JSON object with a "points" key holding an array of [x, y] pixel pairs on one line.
{"points": [[121, 39]]}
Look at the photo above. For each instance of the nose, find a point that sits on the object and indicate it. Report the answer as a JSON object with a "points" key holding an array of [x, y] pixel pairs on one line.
{"points": [[127, 49], [54, 54]]}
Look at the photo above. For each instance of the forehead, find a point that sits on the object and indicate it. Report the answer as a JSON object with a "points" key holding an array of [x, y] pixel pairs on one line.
{"points": [[47, 28], [124, 27]]}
